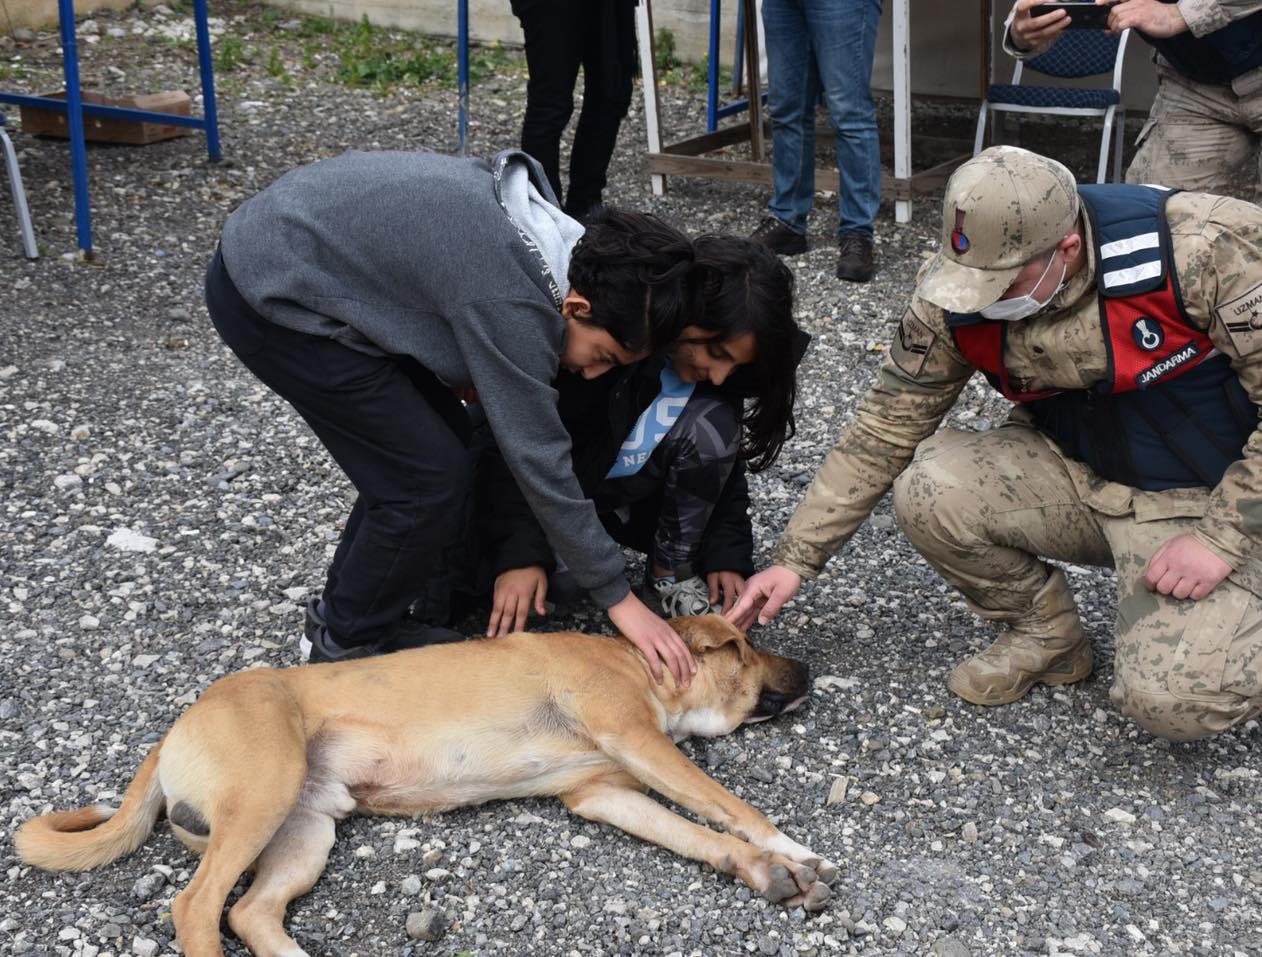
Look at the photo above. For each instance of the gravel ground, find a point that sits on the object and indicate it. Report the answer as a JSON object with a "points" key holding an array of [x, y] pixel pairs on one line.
{"points": [[164, 513]]}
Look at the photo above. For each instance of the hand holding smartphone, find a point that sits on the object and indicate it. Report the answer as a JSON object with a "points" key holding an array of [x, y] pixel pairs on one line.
{"points": [[1082, 16]]}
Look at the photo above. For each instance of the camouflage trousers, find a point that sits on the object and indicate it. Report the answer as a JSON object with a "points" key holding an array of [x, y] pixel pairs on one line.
{"points": [[985, 509], [1199, 135]]}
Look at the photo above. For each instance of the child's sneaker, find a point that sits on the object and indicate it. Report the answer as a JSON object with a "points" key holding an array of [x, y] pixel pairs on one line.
{"points": [[674, 598]]}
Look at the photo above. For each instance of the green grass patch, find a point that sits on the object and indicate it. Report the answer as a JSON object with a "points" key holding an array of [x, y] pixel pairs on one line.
{"points": [[672, 71], [375, 57], [228, 52]]}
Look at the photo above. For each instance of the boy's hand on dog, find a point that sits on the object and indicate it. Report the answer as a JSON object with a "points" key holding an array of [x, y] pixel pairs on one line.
{"points": [[764, 596], [656, 640], [515, 591], [727, 585]]}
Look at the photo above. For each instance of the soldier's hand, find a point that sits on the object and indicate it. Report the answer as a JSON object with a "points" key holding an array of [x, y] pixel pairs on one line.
{"points": [[1030, 33], [1184, 568], [1155, 18], [764, 596], [727, 585]]}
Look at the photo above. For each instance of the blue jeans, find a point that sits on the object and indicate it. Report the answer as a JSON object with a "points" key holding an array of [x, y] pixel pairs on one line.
{"points": [[814, 46]]}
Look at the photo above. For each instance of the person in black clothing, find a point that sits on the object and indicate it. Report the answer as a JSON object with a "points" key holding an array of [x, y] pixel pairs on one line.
{"points": [[561, 36], [682, 500]]}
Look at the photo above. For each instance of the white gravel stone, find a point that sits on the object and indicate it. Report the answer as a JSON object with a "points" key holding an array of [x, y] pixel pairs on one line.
{"points": [[126, 540], [1119, 816]]}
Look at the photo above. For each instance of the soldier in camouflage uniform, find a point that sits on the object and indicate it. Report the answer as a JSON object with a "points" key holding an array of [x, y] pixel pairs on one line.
{"points": [[1126, 322], [1206, 120]]}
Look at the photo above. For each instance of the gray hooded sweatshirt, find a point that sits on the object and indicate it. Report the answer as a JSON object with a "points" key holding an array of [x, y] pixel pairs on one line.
{"points": [[456, 263]]}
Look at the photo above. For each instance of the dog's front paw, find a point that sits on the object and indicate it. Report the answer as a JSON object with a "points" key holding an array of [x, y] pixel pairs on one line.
{"points": [[787, 882], [827, 870]]}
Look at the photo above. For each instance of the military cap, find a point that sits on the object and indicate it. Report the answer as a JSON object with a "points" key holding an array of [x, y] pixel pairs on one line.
{"points": [[1002, 208]]}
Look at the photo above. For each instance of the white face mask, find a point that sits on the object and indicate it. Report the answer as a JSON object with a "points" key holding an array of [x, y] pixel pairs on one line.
{"points": [[1022, 307]]}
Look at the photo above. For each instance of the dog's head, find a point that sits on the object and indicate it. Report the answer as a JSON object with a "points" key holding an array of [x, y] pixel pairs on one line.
{"points": [[735, 683]]}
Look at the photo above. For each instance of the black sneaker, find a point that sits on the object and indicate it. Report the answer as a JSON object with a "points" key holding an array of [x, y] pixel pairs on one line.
{"points": [[855, 262], [778, 237], [317, 645], [321, 648], [313, 620]]}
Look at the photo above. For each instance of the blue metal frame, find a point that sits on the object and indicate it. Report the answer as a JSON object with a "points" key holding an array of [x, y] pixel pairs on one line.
{"points": [[462, 70], [714, 112], [75, 110]]}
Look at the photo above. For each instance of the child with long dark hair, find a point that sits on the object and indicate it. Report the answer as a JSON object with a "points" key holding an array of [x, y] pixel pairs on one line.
{"points": [[662, 446]]}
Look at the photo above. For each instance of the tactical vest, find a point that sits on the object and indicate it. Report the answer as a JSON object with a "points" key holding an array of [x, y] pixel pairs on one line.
{"points": [[1218, 57], [1171, 412]]}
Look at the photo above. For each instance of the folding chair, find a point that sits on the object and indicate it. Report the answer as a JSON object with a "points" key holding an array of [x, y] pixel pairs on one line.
{"points": [[19, 194], [1076, 53]]}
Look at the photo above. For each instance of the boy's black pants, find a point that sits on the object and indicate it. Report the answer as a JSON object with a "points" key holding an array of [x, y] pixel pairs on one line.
{"points": [[402, 439]]}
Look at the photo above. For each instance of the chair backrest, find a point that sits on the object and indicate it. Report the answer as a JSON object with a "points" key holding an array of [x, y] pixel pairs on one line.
{"points": [[1078, 53]]}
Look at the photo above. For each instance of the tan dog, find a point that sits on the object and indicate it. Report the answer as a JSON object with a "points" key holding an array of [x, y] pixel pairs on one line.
{"points": [[257, 772]]}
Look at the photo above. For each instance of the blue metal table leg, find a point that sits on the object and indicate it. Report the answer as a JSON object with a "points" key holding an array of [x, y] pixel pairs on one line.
{"points": [[738, 55], [712, 75], [207, 70], [462, 68], [74, 123]]}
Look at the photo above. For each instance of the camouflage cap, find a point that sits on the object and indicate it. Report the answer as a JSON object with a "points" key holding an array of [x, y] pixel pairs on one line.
{"points": [[1002, 208]]}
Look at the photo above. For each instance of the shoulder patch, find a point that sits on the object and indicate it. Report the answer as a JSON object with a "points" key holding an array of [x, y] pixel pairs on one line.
{"points": [[1242, 319], [912, 344]]}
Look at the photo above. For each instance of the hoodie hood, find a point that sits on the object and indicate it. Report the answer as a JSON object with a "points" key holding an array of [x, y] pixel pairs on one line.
{"points": [[526, 196]]}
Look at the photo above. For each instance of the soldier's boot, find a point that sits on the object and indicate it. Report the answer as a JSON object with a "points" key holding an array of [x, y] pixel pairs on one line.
{"points": [[1044, 645]]}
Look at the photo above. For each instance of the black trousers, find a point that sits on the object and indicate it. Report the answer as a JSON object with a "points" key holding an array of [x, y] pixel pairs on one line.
{"points": [[402, 439], [561, 36]]}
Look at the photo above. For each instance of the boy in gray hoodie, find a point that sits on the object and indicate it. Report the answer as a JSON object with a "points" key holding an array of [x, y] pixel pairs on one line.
{"points": [[368, 290]]}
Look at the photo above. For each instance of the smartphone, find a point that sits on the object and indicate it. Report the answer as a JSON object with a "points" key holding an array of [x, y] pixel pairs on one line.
{"points": [[1082, 16]]}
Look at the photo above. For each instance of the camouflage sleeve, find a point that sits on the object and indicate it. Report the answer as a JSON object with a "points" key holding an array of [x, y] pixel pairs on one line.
{"points": [[915, 388], [1206, 16], [1218, 258]]}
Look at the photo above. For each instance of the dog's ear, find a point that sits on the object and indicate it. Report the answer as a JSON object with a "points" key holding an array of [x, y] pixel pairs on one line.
{"points": [[707, 632]]}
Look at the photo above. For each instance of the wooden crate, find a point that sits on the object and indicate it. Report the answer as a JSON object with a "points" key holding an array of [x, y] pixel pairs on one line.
{"points": [[101, 129]]}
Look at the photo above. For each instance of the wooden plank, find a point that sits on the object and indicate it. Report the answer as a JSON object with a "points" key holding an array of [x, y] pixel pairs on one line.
{"points": [[708, 142], [753, 80]]}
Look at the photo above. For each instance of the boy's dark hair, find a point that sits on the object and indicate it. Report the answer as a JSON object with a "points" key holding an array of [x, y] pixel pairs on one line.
{"points": [[634, 269], [742, 286]]}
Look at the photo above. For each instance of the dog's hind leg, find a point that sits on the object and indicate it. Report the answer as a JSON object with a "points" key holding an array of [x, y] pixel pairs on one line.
{"points": [[618, 800], [288, 867], [238, 758]]}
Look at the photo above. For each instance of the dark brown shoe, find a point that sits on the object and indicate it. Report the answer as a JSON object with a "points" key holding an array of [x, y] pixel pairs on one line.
{"points": [[778, 237], [854, 264]]}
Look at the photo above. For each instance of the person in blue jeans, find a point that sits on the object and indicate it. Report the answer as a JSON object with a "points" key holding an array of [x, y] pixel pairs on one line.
{"points": [[823, 47]]}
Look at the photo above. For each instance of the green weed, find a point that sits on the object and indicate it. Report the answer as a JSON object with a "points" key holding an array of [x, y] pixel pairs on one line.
{"points": [[228, 53], [372, 56], [276, 66]]}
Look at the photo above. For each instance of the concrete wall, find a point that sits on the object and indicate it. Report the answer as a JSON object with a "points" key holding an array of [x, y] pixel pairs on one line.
{"points": [[945, 45], [42, 14]]}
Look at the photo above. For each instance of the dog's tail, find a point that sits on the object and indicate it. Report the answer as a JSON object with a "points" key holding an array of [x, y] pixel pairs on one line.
{"points": [[91, 836]]}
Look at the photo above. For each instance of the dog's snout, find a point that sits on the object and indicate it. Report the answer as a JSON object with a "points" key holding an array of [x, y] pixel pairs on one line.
{"points": [[791, 686]]}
